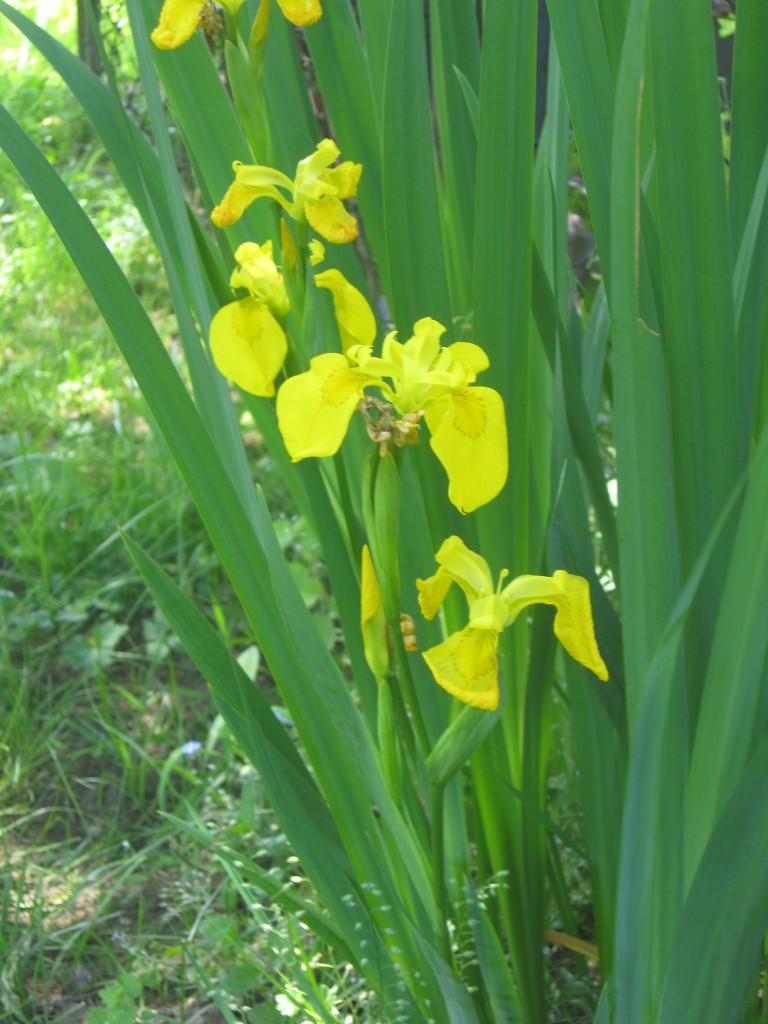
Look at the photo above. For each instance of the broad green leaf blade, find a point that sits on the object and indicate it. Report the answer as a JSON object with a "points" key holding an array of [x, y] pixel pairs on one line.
{"points": [[650, 892], [613, 15], [580, 424], [502, 254], [749, 130], [726, 914], [583, 58], [696, 276], [455, 51], [415, 259], [501, 303], [749, 255], [187, 282], [498, 984], [733, 694], [648, 554]]}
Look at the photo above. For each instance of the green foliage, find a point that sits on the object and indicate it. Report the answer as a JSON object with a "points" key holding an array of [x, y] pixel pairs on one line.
{"points": [[655, 379]]}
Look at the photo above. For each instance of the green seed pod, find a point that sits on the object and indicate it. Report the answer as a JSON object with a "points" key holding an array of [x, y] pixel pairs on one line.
{"points": [[459, 742]]}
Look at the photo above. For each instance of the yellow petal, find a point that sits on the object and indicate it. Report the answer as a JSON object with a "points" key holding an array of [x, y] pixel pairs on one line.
{"points": [[259, 274], [432, 592], [248, 345], [329, 219], [467, 667], [469, 437], [344, 179], [470, 356], [251, 183], [311, 171], [468, 569], [574, 626], [357, 324], [373, 621], [301, 12], [316, 252], [178, 21], [314, 408]]}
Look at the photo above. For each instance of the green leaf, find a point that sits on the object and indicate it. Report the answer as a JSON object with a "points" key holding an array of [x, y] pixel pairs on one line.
{"points": [[726, 913], [696, 267], [733, 693], [415, 259], [498, 984]]}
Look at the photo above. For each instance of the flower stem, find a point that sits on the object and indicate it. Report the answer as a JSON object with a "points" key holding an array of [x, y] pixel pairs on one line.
{"points": [[437, 823]]}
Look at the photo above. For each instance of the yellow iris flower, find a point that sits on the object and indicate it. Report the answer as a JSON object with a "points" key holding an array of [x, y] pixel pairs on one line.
{"points": [[248, 343], [466, 664], [180, 18], [316, 193], [466, 423]]}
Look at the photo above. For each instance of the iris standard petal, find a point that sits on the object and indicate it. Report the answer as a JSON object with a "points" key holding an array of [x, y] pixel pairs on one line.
{"points": [[469, 436], [468, 569], [344, 179], [178, 21], [311, 171], [471, 356], [467, 667], [301, 12], [248, 345], [357, 324], [314, 408]]}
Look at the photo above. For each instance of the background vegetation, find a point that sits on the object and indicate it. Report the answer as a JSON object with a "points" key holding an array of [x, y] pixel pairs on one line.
{"points": [[138, 842], [103, 721]]}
